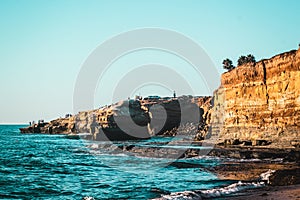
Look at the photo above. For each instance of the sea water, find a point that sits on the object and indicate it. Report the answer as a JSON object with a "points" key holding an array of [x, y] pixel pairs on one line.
{"points": [[41, 166]]}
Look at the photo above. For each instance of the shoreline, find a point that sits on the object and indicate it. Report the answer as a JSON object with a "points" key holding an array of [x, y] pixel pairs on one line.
{"points": [[282, 183], [238, 163], [242, 165], [257, 186], [291, 192], [253, 178]]}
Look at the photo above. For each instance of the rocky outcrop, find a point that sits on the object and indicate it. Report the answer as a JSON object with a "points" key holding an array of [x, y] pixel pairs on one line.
{"points": [[133, 119], [57, 126], [104, 123], [285, 177], [260, 102]]}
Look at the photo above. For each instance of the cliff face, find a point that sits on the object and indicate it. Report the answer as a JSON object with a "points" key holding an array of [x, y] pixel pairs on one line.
{"points": [[133, 119], [261, 101]]}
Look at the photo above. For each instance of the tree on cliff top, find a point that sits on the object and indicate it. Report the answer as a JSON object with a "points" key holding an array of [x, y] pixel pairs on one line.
{"points": [[246, 59], [227, 64], [251, 58]]}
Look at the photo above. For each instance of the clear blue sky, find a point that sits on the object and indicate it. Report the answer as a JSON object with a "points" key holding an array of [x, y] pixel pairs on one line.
{"points": [[44, 43]]}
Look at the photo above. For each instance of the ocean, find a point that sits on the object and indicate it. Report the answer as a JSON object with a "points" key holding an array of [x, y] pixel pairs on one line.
{"points": [[40, 166]]}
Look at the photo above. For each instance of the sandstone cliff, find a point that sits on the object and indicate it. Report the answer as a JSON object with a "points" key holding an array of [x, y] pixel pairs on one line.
{"points": [[260, 102]]}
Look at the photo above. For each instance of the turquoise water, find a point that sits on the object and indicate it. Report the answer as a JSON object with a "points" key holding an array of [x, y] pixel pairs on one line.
{"points": [[55, 167]]}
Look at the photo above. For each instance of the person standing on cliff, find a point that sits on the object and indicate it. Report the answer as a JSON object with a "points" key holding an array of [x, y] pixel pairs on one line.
{"points": [[174, 94]]}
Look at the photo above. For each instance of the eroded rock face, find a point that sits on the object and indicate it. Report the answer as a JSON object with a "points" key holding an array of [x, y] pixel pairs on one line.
{"points": [[169, 117], [261, 101], [132, 119]]}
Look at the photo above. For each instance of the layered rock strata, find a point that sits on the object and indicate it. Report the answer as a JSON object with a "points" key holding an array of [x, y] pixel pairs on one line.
{"points": [[260, 102]]}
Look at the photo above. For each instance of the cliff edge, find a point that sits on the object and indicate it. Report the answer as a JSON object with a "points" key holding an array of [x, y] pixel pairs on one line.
{"points": [[260, 102]]}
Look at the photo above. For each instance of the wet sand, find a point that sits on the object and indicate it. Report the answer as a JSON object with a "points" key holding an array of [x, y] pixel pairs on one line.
{"points": [[249, 171], [291, 192]]}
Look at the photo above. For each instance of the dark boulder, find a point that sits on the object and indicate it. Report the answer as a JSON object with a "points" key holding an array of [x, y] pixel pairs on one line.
{"points": [[285, 177]]}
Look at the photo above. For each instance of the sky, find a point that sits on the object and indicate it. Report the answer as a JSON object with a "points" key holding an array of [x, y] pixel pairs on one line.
{"points": [[44, 44]]}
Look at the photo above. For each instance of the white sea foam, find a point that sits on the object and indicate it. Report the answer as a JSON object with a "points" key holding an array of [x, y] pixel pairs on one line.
{"points": [[266, 175], [88, 198], [182, 196], [276, 160], [93, 146], [233, 188], [219, 192], [203, 157]]}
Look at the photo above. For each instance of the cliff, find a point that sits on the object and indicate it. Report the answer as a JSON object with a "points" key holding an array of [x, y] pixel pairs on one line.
{"points": [[259, 103], [131, 119]]}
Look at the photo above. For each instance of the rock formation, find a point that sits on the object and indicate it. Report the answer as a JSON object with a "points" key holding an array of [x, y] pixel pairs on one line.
{"points": [[132, 119], [259, 103]]}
